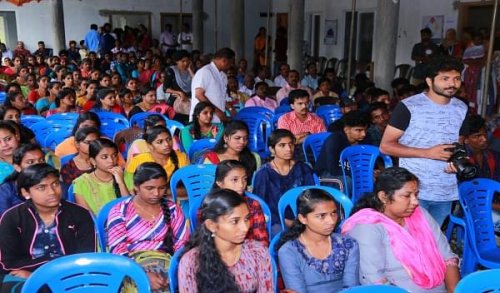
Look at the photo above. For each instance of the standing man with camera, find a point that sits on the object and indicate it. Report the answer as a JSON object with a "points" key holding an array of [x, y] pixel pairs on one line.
{"points": [[421, 132]]}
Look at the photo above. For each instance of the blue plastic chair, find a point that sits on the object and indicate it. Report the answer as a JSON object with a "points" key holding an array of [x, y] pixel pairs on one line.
{"points": [[3, 96], [289, 199], [482, 281], [274, 259], [71, 194], [28, 120], [64, 118], [197, 180], [276, 118], [200, 146], [285, 101], [55, 138], [314, 142], [111, 123], [260, 127], [102, 219], [87, 272], [375, 289], [64, 160], [137, 120], [361, 159], [329, 113], [174, 127], [173, 269], [476, 200], [255, 110], [43, 128], [282, 109], [274, 271]]}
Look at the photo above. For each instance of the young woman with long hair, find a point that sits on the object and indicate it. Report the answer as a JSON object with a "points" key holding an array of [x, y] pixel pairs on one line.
{"points": [[106, 102], [139, 145], [148, 222], [201, 126], [218, 257], [68, 146], [105, 183], [312, 257]]}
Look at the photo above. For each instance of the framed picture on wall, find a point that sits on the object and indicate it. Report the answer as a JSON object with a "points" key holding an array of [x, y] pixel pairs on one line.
{"points": [[435, 23], [331, 30]]}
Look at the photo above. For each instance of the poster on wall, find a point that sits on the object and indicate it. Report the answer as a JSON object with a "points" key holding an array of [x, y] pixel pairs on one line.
{"points": [[435, 23], [330, 32]]}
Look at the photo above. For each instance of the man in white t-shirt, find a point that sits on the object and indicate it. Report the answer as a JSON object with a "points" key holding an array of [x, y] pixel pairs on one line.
{"points": [[210, 82], [185, 38]]}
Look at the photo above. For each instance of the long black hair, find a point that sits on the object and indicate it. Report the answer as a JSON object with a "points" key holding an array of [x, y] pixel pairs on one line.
{"points": [[246, 156], [389, 181], [152, 120], [84, 117], [212, 274], [306, 203], [225, 167], [64, 93], [152, 133], [101, 95], [196, 112], [18, 156], [148, 171], [95, 147]]}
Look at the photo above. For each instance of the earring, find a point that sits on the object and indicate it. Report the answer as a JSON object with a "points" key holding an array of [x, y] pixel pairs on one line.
{"points": [[213, 234], [225, 145]]}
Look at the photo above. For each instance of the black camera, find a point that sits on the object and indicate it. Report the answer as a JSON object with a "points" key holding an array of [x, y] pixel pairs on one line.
{"points": [[465, 169]]}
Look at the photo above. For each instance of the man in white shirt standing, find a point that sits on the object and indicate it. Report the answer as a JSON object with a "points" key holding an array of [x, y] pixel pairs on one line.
{"points": [[210, 82], [185, 38]]}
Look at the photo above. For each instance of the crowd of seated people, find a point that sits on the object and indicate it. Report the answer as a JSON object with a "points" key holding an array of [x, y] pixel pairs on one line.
{"points": [[228, 250]]}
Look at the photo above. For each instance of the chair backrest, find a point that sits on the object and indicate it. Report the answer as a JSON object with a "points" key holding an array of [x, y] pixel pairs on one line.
{"points": [[289, 199], [111, 123], [87, 272], [374, 289], [265, 210], [66, 159], [276, 118], [329, 113], [28, 120], [482, 281], [252, 110], [197, 179], [71, 193], [200, 146], [174, 126], [43, 128], [332, 62], [260, 127], [138, 119], [64, 118], [282, 109], [102, 218], [476, 200], [3, 97], [173, 270], [55, 138], [285, 101], [314, 142], [361, 160]]}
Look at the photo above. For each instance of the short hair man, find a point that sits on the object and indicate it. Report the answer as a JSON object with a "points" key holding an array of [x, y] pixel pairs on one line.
{"points": [[420, 131], [353, 131], [379, 119], [293, 83], [210, 82]]}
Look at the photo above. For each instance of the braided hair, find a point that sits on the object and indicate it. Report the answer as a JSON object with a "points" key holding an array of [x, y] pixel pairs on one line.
{"points": [[150, 136], [213, 274], [148, 171]]}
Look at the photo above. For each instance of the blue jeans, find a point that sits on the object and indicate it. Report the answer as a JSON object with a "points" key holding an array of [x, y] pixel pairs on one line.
{"points": [[439, 210]]}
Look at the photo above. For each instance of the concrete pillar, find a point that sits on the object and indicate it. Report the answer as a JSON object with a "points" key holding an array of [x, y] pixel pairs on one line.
{"points": [[59, 38], [384, 46], [198, 25], [296, 34], [238, 28]]}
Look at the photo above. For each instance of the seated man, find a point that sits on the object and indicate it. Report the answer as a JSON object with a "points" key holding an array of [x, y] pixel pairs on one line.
{"points": [[299, 121], [353, 131], [379, 119]]}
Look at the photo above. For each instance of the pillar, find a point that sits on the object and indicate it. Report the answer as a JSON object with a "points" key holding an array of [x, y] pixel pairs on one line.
{"points": [[384, 47], [238, 28], [296, 34], [198, 25], [59, 38]]}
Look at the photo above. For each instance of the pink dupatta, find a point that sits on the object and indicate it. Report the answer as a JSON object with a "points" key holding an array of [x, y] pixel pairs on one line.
{"points": [[414, 247]]}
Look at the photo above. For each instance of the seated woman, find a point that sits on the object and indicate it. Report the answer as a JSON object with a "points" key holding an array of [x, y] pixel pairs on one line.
{"points": [[139, 145], [232, 175], [312, 257], [218, 257], [10, 142], [24, 156], [26, 135], [281, 174], [44, 227], [16, 100], [399, 242], [160, 145], [68, 146], [233, 145], [126, 100], [79, 164], [106, 102], [93, 190], [147, 222], [65, 102], [201, 126], [177, 83], [148, 95]]}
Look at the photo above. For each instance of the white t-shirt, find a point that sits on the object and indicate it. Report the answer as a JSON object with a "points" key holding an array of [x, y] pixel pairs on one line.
{"points": [[214, 82]]}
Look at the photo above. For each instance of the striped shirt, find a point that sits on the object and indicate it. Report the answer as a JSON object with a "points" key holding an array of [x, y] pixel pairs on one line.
{"points": [[128, 232], [312, 124]]}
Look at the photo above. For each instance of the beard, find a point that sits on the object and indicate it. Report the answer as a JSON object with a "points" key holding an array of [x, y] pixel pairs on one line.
{"points": [[445, 92]]}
